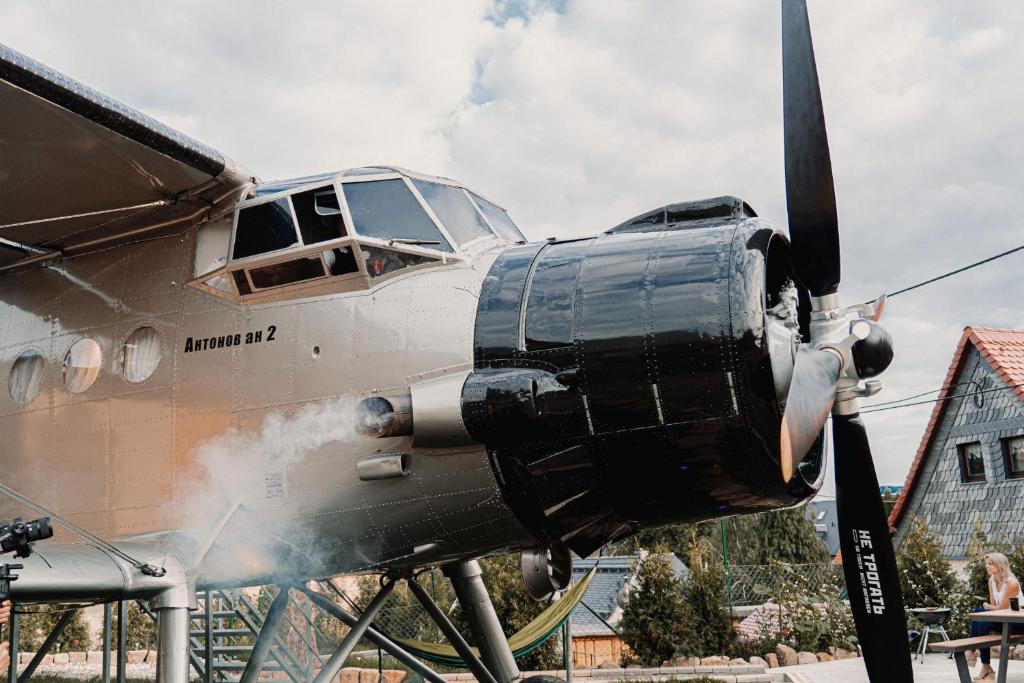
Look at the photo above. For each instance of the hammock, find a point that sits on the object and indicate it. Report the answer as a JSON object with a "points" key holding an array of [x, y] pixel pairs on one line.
{"points": [[524, 641]]}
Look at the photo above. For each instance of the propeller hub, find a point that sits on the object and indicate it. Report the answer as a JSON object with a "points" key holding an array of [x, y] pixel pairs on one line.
{"points": [[872, 354]]}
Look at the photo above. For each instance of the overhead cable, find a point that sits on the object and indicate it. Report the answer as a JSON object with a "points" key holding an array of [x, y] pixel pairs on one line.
{"points": [[923, 393], [953, 272], [942, 398], [71, 526]]}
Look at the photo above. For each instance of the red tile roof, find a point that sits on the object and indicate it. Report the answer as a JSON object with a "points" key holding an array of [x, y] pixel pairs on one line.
{"points": [[1004, 351]]}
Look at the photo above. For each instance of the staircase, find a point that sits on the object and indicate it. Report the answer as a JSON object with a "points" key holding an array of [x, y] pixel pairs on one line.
{"points": [[226, 626]]}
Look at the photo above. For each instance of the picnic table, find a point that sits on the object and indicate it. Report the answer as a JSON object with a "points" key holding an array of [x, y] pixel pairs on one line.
{"points": [[1006, 617]]}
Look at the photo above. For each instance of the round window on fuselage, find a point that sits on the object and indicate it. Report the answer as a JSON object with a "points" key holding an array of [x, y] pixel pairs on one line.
{"points": [[82, 365], [140, 355], [26, 376]]}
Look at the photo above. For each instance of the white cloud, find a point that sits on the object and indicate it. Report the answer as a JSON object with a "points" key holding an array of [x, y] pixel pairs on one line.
{"points": [[582, 117]]}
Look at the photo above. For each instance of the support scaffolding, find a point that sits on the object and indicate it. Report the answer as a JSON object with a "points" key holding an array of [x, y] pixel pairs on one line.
{"points": [[236, 636]]}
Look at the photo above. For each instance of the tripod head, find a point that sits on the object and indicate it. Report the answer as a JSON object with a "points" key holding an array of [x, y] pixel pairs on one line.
{"points": [[6, 577]]}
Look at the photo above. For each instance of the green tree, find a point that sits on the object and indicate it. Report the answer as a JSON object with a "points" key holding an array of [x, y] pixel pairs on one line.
{"points": [[675, 538], [926, 577], [653, 617], [785, 536], [889, 501], [780, 535], [37, 624], [707, 629]]}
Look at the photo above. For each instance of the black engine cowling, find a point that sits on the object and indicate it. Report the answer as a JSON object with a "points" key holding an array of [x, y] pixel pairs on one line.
{"points": [[625, 381]]}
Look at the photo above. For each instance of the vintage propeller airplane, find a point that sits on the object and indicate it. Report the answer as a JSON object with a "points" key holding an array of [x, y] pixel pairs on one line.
{"points": [[218, 381]]}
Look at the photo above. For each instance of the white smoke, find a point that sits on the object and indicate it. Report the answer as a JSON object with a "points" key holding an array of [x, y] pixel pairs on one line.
{"points": [[239, 505]]}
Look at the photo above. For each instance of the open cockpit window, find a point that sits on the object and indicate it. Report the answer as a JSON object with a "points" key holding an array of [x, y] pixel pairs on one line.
{"points": [[319, 215], [388, 210], [453, 208], [381, 262], [263, 228]]}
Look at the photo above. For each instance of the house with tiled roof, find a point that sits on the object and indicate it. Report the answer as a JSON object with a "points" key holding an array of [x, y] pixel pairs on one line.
{"points": [[594, 622], [969, 467]]}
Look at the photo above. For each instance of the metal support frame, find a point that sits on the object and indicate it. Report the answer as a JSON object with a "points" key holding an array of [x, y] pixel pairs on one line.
{"points": [[483, 621], [12, 649], [254, 666], [928, 630], [58, 628], [122, 641], [451, 633], [375, 637], [107, 624], [208, 639], [567, 649], [337, 660], [279, 650], [173, 647]]}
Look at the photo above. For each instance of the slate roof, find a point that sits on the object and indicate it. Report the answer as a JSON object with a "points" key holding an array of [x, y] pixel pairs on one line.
{"points": [[933, 489], [603, 594], [1004, 351]]}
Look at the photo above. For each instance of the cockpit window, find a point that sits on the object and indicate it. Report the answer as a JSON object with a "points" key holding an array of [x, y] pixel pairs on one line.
{"points": [[380, 262], [264, 227], [319, 215], [499, 220], [299, 269], [387, 210], [452, 206]]}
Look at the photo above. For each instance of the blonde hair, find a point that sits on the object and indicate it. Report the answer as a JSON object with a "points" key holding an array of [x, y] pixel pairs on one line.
{"points": [[1003, 564]]}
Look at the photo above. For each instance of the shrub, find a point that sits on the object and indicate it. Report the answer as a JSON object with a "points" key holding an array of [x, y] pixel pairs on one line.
{"points": [[926, 577], [811, 616], [653, 616], [37, 624], [707, 627]]}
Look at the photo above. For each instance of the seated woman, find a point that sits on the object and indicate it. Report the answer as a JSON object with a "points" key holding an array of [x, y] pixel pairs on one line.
{"points": [[1002, 585]]}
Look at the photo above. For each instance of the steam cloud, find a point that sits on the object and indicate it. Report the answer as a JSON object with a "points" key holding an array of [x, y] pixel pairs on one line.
{"points": [[243, 483]]}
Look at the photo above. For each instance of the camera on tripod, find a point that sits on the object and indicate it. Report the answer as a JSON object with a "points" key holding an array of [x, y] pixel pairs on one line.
{"points": [[18, 537]]}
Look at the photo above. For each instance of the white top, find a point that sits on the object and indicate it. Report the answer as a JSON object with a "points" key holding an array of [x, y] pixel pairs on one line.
{"points": [[998, 594]]}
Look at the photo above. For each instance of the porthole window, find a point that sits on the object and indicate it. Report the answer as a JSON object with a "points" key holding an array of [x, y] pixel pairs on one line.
{"points": [[82, 365], [140, 355], [26, 374]]}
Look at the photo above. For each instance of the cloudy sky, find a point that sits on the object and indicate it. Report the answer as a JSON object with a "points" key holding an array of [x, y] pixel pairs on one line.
{"points": [[577, 115]]}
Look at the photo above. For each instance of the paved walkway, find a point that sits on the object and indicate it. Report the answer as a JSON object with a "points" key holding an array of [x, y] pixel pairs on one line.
{"points": [[936, 668]]}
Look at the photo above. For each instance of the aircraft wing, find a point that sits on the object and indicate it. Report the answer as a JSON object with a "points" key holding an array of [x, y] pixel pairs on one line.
{"points": [[79, 169]]}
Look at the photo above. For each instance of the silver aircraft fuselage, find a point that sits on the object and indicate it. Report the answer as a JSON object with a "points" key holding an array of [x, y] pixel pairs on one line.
{"points": [[250, 428]]}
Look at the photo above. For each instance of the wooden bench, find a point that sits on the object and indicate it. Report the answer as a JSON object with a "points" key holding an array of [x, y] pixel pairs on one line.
{"points": [[959, 647]]}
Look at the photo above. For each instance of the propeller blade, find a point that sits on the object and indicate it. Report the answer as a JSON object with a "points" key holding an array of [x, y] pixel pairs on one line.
{"points": [[810, 192], [869, 561], [811, 394]]}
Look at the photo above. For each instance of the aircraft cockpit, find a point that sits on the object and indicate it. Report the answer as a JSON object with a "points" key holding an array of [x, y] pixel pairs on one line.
{"points": [[343, 231]]}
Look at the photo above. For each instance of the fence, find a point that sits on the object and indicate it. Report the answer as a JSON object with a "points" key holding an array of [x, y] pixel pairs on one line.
{"points": [[751, 584]]}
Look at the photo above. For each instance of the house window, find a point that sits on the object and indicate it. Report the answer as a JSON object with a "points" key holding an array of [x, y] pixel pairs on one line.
{"points": [[1013, 456], [972, 462]]}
